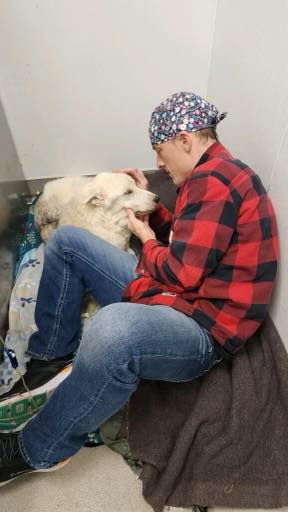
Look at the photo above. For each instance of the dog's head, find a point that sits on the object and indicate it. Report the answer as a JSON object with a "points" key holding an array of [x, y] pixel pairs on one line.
{"points": [[115, 191]]}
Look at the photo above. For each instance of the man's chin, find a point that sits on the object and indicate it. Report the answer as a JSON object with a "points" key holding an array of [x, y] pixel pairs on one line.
{"points": [[171, 177], [176, 180]]}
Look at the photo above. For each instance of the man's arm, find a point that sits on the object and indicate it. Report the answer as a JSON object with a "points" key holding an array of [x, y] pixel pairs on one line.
{"points": [[160, 221], [201, 235]]}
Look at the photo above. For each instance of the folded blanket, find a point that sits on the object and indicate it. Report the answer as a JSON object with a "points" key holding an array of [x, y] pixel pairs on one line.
{"points": [[21, 315], [226, 444]]}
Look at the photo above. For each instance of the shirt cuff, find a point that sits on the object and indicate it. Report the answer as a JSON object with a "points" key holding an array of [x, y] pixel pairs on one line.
{"points": [[147, 246]]}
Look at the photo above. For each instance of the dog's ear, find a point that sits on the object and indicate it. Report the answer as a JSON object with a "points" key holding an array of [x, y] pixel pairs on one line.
{"points": [[94, 199]]}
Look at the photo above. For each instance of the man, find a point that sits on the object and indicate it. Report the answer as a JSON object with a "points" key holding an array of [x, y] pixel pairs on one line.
{"points": [[199, 290]]}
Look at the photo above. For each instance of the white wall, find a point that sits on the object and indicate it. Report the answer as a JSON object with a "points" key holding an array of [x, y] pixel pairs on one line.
{"points": [[79, 79], [10, 168], [279, 190], [249, 79]]}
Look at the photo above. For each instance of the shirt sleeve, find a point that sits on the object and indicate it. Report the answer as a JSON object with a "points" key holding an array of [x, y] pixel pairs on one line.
{"points": [[160, 221], [201, 234]]}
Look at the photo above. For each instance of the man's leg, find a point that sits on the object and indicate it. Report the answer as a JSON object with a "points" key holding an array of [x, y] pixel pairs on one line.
{"points": [[75, 261], [124, 343]]}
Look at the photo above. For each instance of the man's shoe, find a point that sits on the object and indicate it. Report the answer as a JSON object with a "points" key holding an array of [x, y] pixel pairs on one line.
{"points": [[24, 401], [12, 463]]}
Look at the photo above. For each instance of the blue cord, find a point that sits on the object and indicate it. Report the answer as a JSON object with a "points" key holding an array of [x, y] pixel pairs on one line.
{"points": [[10, 353], [12, 357]]}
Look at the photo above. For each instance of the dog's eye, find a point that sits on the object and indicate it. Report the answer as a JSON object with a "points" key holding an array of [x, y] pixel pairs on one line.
{"points": [[128, 192]]}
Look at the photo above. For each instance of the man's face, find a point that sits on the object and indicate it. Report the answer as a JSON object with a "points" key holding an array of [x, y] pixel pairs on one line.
{"points": [[179, 156], [172, 160]]}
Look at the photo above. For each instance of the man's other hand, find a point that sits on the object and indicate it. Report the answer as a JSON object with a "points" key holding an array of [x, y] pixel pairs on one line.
{"points": [[140, 227], [137, 175]]}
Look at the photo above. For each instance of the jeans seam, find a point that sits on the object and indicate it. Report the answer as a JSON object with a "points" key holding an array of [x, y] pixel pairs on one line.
{"points": [[154, 355], [100, 270], [36, 355], [53, 338], [23, 450], [49, 451]]}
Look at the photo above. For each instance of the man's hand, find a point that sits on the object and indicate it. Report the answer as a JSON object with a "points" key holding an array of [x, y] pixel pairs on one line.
{"points": [[136, 174], [140, 227]]}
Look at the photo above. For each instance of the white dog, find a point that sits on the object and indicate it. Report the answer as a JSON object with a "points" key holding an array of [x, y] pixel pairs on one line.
{"points": [[96, 204]]}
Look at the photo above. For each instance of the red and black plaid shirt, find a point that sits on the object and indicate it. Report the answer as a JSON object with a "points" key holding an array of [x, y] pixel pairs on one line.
{"points": [[220, 263]]}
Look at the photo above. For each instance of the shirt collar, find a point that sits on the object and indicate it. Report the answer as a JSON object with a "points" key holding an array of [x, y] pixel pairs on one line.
{"points": [[212, 151], [215, 149]]}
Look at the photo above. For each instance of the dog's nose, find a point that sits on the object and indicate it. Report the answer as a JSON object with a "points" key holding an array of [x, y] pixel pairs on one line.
{"points": [[156, 199]]}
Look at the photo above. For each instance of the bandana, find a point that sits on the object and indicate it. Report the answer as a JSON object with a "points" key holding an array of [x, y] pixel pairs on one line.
{"points": [[182, 111]]}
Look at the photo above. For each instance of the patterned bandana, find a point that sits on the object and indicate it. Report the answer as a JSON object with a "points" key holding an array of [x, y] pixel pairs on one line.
{"points": [[182, 111]]}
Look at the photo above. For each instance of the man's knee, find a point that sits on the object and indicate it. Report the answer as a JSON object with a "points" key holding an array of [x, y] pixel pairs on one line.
{"points": [[63, 234], [111, 331], [66, 239]]}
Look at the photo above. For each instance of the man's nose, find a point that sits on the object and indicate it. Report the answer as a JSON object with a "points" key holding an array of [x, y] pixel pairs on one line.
{"points": [[160, 164]]}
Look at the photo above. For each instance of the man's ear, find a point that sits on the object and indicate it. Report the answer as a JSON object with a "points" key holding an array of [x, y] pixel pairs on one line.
{"points": [[185, 141], [94, 199]]}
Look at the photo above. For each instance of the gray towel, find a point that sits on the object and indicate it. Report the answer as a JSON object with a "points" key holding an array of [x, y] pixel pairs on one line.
{"points": [[220, 440]]}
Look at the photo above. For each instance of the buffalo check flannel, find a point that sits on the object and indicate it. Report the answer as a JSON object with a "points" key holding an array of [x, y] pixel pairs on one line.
{"points": [[215, 258]]}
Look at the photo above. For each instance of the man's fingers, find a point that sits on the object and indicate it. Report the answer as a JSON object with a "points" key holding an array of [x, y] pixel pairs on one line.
{"points": [[130, 214], [125, 169], [141, 181], [136, 174], [141, 229], [133, 220], [128, 170]]}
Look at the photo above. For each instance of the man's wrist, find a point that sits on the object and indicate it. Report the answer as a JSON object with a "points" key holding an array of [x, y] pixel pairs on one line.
{"points": [[147, 237]]}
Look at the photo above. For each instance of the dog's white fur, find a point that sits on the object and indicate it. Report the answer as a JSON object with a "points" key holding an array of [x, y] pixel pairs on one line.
{"points": [[96, 204]]}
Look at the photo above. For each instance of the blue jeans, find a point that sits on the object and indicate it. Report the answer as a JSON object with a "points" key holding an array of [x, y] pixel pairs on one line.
{"points": [[125, 343]]}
